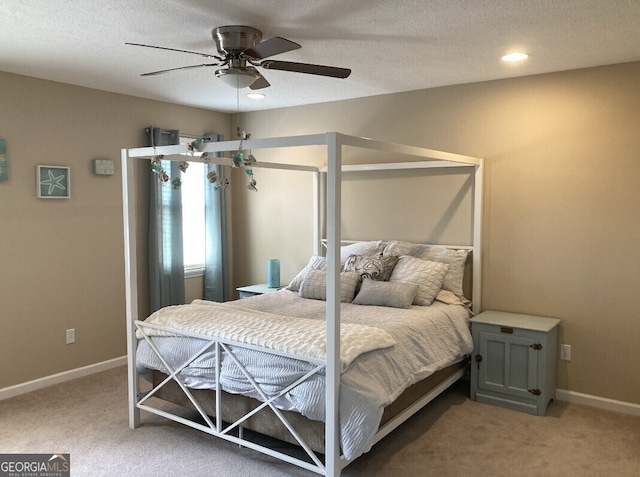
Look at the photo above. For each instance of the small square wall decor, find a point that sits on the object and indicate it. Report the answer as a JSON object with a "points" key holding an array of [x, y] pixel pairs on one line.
{"points": [[53, 182]]}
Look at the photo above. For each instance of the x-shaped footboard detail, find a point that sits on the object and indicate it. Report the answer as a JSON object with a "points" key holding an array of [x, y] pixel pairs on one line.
{"points": [[268, 401], [173, 375], [227, 347]]}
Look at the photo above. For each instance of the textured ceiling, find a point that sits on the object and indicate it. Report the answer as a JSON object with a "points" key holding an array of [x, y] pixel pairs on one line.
{"points": [[391, 46]]}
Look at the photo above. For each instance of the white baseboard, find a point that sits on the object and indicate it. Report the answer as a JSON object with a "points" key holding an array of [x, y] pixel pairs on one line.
{"points": [[599, 402], [23, 388], [11, 391]]}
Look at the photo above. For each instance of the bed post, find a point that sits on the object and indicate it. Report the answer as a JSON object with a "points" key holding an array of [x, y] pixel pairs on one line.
{"points": [[131, 282], [477, 237], [317, 244], [332, 427]]}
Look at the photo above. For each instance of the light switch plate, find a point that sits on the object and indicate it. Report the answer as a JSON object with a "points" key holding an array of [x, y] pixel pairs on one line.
{"points": [[103, 167]]}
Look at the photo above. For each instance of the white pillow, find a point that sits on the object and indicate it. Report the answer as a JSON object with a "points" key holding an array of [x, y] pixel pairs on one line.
{"points": [[361, 248], [315, 263], [394, 294], [314, 285], [450, 298], [427, 275], [454, 258]]}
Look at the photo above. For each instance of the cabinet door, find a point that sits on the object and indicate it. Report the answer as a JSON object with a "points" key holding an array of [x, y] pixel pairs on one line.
{"points": [[509, 364]]}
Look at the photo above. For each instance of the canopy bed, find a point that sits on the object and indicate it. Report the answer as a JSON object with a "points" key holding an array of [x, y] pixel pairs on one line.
{"points": [[323, 335]]}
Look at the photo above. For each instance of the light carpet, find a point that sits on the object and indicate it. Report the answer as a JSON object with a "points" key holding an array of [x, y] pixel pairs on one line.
{"points": [[453, 436]]}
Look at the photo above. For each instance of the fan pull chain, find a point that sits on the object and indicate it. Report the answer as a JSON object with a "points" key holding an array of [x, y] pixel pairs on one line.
{"points": [[239, 159]]}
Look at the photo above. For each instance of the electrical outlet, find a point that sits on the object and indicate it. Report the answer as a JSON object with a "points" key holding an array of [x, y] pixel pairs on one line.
{"points": [[565, 352], [71, 336]]}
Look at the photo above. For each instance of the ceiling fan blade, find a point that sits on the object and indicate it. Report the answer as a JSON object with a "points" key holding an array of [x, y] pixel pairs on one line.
{"points": [[332, 71], [272, 46], [206, 55], [176, 69], [260, 83]]}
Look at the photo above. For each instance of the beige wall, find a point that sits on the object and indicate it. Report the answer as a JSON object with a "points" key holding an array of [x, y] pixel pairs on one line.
{"points": [[562, 202], [61, 261], [561, 208]]}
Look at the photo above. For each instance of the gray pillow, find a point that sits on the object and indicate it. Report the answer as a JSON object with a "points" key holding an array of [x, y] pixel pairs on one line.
{"points": [[314, 285], [428, 275], [393, 294], [454, 258]]}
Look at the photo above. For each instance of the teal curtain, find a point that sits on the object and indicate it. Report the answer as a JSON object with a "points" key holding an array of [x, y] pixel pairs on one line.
{"points": [[166, 263], [217, 283]]}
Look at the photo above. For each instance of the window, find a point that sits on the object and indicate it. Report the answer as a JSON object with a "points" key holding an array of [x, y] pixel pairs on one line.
{"points": [[193, 232]]}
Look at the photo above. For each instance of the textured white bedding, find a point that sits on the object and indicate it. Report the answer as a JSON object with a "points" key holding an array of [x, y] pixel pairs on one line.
{"points": [[427, 339], [301, 337]]}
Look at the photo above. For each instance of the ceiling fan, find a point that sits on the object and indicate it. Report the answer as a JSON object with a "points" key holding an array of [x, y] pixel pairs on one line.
{"points": [[241, 49]]}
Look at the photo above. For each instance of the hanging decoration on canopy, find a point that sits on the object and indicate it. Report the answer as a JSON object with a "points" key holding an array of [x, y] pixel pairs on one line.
{"points": [[239, 159], [156, 167], [213, 177], [246, 161]]}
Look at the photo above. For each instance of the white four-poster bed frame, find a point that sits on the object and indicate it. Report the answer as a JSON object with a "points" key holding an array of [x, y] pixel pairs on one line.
{"points": [[334, 143]]}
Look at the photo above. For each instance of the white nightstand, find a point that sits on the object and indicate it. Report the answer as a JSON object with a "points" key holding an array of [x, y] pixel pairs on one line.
{"points": [[514, 360], [253, 290]]}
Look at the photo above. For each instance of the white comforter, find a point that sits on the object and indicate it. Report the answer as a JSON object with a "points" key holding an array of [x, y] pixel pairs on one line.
{"points": [[301, 337], [426, 339]]}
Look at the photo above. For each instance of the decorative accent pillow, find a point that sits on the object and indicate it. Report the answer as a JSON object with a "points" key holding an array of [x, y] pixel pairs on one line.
{"points": [[454, 258], [428, 275], [361, 248], [450, 298], [376, 267], [314, 285], [394, 294], [315, 263]]}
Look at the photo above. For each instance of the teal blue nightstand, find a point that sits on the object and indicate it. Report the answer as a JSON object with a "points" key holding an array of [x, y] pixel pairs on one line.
{"points": [[253, 290], [514, 360]]}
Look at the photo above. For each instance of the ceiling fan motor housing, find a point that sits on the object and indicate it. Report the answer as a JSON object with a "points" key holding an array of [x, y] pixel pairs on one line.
{"points": [[235, 38], [240, 45]]}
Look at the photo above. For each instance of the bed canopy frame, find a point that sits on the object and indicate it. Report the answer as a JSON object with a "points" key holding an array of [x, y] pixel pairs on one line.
{"points": [[334, 143]]}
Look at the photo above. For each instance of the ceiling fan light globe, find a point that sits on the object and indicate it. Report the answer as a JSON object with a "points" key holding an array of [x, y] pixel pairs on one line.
{"points": [[237, 78]]}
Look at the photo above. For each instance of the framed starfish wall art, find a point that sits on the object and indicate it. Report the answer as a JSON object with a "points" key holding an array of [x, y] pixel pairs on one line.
{"points": [[53, 182]]}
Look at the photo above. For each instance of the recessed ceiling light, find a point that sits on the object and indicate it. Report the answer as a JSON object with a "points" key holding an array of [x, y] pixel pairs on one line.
{"points": [[255, 95], [515, 56]]}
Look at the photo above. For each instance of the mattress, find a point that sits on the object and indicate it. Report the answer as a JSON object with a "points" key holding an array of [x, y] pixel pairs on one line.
{"points": [[426, 339]]}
